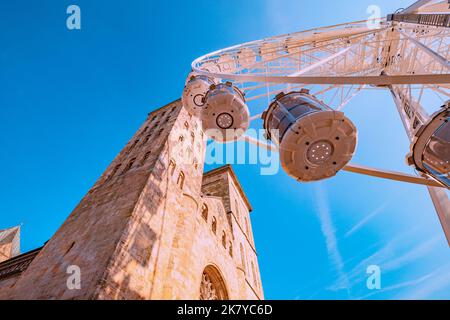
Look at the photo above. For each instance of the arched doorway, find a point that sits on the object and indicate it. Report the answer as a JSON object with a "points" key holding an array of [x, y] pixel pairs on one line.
{"points": [[212, 286]]}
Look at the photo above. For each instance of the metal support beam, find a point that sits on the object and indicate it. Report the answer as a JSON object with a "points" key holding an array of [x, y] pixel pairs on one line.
{"points": [[259, 143], [346, 101], [391, 175], [442, 205], [381, 80]]}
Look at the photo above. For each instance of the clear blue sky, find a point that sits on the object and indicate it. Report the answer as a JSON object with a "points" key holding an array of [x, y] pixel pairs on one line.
{"points": [[70, 100]]}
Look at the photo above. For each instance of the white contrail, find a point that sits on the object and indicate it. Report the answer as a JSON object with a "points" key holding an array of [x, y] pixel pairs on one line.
{"points": [[400, 285], [366, 219], [438, 282], [389, 259], [329, 233]]}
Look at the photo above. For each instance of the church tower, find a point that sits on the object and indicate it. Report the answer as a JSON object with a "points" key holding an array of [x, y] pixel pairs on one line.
{"points": [[154, 226]]}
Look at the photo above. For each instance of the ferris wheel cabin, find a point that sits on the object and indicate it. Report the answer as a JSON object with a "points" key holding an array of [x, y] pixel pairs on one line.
{"points": [[315, 141], [431, 147]]}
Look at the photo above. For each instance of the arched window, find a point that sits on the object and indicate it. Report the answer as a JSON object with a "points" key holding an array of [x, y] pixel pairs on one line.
{"points": [[236, 205], [254, 274], [186, 125], [224, 239], [180, 180], [192, 137], [246, 227], [147, 137], [212, 285], [241, 247], [230, 249], [214, 225], [205, 212], [132, 146], [114, 171], [181, 138], [129, 165], [172, 166], [145, 157]]}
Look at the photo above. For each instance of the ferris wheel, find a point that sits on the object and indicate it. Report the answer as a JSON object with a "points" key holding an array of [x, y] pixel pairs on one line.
{"points": [[302, 82]]}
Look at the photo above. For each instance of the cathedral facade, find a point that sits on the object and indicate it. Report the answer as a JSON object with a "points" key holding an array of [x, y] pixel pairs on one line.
{"points": [[154, 226]]}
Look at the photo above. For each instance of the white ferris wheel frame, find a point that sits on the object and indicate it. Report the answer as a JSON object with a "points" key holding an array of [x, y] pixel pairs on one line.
{"points": [[346, 59]]}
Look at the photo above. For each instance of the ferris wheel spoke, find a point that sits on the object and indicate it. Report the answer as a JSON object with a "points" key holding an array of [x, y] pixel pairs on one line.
{"points": [[439, 90], [349, 98], [255, 117], [326, 89], [259, 143], [272, 93], [390, 175]]}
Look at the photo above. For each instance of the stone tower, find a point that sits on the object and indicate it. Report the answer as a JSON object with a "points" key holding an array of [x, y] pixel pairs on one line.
{"points": [[153, 226]]}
